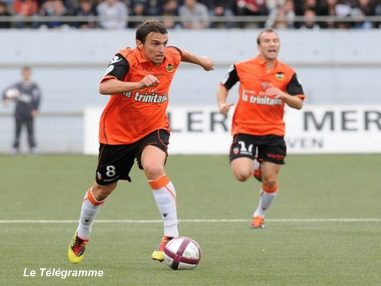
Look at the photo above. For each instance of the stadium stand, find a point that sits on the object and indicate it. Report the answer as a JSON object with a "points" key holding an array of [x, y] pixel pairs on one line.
{"points": [[118, 14]]}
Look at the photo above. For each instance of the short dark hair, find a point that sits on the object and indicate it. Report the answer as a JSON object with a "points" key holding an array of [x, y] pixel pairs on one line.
{"points": [[269, 30], [149, 26]]}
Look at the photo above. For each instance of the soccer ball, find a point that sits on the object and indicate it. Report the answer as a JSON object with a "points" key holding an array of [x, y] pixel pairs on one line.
{"points": [[182, 253], [12, 93]]}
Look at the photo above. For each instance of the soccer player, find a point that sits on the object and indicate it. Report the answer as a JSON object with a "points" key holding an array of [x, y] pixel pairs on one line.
{"points": [[134, 125], [266, 86]]}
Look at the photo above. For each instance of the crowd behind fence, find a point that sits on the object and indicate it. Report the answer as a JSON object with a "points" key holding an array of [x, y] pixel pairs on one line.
{"points": [[191, 14]]}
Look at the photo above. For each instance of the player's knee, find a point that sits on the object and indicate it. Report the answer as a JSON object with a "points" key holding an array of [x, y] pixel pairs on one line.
{"points": [[154, 171], [270, 185], [241, 175]]}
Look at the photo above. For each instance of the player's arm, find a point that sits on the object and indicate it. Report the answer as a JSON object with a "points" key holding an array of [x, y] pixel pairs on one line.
{"points": [[114, 86], [293, 96], [113, 81], [205, 62], [222, 95], [223, 90]]}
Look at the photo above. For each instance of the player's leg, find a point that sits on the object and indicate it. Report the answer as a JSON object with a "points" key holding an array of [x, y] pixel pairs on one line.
{"points": [[114, 163], [30, 133], [152, 160], [242, 168], [242, 153], [16, 142], [272, 157], [91, 205], [268, 192]]}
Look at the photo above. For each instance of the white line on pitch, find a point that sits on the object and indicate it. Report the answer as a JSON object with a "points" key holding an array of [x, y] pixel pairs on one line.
{"points": [[285, 220]]}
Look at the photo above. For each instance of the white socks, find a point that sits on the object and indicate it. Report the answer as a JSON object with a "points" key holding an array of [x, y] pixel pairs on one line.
{"points": [[165, 196], [90, 208], [265, 200]]}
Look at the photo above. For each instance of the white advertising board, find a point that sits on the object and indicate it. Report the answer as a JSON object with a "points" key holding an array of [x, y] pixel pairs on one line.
{"points": [[312, 130]]}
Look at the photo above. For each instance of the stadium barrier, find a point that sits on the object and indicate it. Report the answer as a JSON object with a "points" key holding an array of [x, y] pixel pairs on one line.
{"points": [[312, 130], [250, 21]]}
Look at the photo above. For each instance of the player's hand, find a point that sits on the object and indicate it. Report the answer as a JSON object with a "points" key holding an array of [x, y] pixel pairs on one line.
{"points": [[275, 92], [5, 102], [225, 107], [207, 63], [148, 80]]}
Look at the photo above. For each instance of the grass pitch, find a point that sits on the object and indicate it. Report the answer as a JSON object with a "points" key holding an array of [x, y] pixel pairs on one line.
{"points": [[323, 229]]}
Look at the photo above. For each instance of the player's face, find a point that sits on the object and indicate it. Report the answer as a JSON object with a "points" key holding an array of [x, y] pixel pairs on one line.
{"points": [[154, 46], [26, 74], [269, 45]]}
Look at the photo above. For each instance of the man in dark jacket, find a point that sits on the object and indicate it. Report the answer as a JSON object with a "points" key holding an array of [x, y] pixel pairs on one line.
{"points": [[27, 96]]}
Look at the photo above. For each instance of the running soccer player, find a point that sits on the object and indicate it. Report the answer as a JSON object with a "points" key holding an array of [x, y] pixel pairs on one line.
{"points": [[134, 125], [258, 129]]}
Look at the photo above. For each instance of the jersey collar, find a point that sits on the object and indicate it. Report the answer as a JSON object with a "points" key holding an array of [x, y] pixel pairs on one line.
{"points": [[142, 59], [261, 61]]}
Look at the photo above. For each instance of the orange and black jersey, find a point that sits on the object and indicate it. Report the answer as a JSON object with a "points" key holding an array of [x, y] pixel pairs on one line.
{"points": [[257, 113], [130, 116]]}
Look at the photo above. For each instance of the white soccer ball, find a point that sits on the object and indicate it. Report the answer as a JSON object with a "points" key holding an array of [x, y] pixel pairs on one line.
{"points": [[182, 253], [12, 93]]}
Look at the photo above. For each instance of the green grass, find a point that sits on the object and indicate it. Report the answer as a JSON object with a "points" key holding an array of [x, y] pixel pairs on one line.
{"points": [[300, 252]]}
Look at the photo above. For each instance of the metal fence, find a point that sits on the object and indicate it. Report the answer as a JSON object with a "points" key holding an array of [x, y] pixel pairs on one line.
{"points": [[249, 21]]}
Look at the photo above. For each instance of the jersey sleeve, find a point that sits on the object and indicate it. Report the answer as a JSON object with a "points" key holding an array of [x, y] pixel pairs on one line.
{"points": [[36, 97], [294, 87], [176, 54], [231, 78], [118, 68]]}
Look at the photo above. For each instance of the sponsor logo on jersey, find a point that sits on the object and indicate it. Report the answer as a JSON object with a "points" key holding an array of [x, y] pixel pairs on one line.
{"points": [[259, 98], [275, 156], [147, 97]]}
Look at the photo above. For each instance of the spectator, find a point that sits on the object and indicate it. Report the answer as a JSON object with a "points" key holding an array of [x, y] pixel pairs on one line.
{"points": [[72, 5], [329, 9], [22, 9], [113, 14], [363, 9], [310, 20], [221, 8], [343, 10], [154, 7], [27, 95], [86, 9], [138, 10], [311, 5], [377, 12], [282, 16], [194, 15], [251, 8], [170, 10], [4, 12], [55, 9]]}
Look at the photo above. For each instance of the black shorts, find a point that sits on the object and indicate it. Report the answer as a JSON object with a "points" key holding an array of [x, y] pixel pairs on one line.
{"points": [[269, 148], [115, 161]]}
